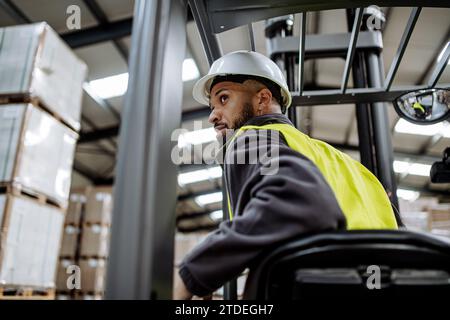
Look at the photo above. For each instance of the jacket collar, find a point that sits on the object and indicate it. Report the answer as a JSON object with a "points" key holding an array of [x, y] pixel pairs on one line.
{"points": [[268, 119]]}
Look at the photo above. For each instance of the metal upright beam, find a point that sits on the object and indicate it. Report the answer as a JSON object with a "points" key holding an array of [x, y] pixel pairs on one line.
{"points": [[101, 102], [440, 67], [414, 16], [140, 265], [301, 52], [381, 131], [324, 45], [93, 35], [251, 36], [226, 15], [434, 57], [112, 131], [357, 95], [209, 39], [101, 17], [362, 109], [351, 48], [14, 12], [95, 135]]}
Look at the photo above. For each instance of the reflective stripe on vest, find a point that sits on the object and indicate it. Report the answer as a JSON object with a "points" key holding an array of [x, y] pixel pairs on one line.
{"points": [[360, 195]]}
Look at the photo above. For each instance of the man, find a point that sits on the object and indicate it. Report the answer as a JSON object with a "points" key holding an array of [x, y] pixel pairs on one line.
{"points": [[311, 188]]}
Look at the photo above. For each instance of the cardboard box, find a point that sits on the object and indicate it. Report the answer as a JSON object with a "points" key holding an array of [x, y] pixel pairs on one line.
{"points": [[30, 242], [99, 203], [416, 220], [69, 242], [95, 241], [36, 151], [75, 209], [34, 59], [93, 273], [184, 243], [62, 275]]}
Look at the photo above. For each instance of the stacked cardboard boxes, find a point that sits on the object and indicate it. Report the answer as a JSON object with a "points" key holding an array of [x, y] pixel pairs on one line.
{"points": [[426, 215], [86, 242], [40, 102]]}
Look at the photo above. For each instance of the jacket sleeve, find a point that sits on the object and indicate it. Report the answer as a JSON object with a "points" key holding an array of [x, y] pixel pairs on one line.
{"points": [[268, 208]]}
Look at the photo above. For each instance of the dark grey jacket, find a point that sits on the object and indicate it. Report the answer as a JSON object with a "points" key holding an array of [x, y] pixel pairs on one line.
{"points": [[267, 209]]}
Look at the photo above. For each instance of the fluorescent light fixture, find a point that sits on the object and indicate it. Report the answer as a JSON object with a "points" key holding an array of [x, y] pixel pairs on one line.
{"points": [[408, 195], [109, 87], [190, 70], [199, 175], [216, 215], [196, 137], [117, 85], [404, 126], [209, 198], [442, 53], [418, 169], [401, 166]]}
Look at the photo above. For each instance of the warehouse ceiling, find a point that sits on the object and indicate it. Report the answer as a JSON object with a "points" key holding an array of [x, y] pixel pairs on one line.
{"points": [[104, 44]]}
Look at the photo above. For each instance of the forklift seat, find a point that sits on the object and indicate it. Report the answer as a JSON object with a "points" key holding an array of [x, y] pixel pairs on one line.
{"points": [[346, 263]]}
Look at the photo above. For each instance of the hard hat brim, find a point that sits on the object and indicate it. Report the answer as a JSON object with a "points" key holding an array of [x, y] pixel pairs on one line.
{"points": [[200, 90]]}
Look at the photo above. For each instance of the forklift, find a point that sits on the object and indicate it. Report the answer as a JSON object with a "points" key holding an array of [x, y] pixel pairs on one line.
{"points": [[330, 264]]}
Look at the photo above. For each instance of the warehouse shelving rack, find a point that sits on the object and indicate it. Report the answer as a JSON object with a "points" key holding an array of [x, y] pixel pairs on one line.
{"points": [[140, 264]]}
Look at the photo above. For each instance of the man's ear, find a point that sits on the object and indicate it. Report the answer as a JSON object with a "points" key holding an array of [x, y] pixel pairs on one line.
{"points": [[264, 97]]}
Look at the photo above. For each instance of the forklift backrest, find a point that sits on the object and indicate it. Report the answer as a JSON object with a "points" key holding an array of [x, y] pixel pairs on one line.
{"points": [[375, 264]]}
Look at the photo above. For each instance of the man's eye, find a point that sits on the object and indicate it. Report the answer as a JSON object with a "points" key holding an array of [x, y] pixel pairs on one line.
{"points": [[223, 99]]}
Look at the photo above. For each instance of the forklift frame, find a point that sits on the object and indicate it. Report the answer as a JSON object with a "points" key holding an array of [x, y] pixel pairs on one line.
{"points": [[141, 259]]}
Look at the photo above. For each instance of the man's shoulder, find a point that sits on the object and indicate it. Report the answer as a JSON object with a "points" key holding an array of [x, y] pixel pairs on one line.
{"points": [[261, 136]]}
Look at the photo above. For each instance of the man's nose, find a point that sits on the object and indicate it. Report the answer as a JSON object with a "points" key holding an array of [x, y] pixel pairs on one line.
{"points": [[213, 117]]}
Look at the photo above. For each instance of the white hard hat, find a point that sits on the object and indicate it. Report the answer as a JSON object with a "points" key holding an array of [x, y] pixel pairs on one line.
{"points": [[245, 63]]}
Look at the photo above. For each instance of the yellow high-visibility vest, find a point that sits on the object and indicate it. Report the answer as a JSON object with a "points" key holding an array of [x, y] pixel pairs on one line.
{"points": [[360, 195]]}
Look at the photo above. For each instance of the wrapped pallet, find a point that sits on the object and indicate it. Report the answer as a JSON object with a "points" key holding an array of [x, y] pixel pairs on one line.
{"points": [[36, 151], [95, 241], [93, 273], [35, 62], [30, 241]]}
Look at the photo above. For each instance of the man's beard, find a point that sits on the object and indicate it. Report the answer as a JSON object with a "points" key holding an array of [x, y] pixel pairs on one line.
{"points": [[246, 115]]}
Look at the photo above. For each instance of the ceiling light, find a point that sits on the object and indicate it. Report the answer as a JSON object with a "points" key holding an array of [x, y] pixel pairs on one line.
{"points": [[209, 198], [190, 70], [418, 169], [114, 86], [196, 137], [408, 195], [404, 126], [199, 175], [109, 87], [401, 166], [216, 215]]}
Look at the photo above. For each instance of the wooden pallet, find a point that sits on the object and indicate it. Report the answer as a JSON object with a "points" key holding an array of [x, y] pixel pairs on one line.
{"points": [[94, 295], [101, 224], [93, 257], [28, 98], [23, 293], [17, 189]]}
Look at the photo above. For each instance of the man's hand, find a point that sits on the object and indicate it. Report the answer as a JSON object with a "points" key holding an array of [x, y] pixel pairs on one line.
{"points": [[180, 291]]}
